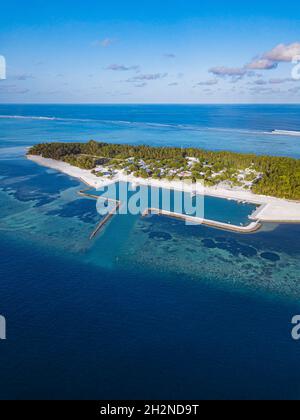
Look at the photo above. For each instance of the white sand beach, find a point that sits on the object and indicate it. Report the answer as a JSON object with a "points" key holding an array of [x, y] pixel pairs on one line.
{"points": [[270, 209]]}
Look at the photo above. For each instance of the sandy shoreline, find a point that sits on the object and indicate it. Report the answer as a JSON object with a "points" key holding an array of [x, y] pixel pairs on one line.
{"points": [[271, 209]]}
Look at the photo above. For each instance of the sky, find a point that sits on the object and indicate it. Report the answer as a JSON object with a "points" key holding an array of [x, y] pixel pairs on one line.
{"points": [[179, 51]]}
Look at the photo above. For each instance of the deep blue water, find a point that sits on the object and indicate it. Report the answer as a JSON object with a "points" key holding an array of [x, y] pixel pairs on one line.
{"points": [[248, 117], [214, 127], [152, 308]]}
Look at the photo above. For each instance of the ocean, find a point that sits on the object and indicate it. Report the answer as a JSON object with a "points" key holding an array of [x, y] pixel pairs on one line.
{"points": [[152, 308]]}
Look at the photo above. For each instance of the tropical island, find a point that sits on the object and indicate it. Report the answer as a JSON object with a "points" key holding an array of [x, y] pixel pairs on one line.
{"points": [[272, 182], [267, 175]]}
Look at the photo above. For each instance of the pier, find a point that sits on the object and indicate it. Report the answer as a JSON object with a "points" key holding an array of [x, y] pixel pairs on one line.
{"points": [[108, 217], [251, 228]]}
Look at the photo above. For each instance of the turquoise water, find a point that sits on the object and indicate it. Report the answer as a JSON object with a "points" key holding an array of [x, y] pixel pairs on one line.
{"points": [[151, 308], [210, 208]]}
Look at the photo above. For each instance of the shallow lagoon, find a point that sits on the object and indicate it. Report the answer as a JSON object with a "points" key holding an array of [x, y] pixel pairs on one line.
{"points": [[210, 208]]}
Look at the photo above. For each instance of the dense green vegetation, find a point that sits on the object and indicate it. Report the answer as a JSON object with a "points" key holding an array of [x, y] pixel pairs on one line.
{"points": [[83, 162], [279, 176]]}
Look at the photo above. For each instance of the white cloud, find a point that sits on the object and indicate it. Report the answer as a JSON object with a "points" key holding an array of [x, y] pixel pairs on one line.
{"points": [[283, 53], [281, 81], [9, 89], [268, 61], [120, 67], [234, 73], [262, 64], [211, 82], [106, 42], [260, 82], [295, 90], [229, 71], [23, 77], [263, 90], [148, 77]]}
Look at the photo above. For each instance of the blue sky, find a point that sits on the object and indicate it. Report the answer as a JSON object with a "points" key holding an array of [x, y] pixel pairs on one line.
{"points": [[149, 52]]}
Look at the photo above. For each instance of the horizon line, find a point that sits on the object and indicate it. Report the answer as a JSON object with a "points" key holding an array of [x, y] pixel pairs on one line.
{"points": [[150, 103]]}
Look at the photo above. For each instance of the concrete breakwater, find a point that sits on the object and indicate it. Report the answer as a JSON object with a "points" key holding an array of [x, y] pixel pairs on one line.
{"points": [[108, 217], [251, 228]]}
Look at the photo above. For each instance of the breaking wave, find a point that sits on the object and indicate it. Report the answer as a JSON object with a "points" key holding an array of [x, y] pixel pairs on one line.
{"points": [[170, 126], [286, 133]]}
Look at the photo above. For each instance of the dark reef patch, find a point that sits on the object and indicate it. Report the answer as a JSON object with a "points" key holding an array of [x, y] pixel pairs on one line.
{"points": [[160, 236], [40, 186], [219, 239], [209, 243], [248, 251], [270, 256], [231, 246], [84, 210]]}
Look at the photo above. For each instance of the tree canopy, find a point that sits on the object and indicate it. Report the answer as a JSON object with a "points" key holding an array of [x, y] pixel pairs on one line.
{"points": [[280, 175]]}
